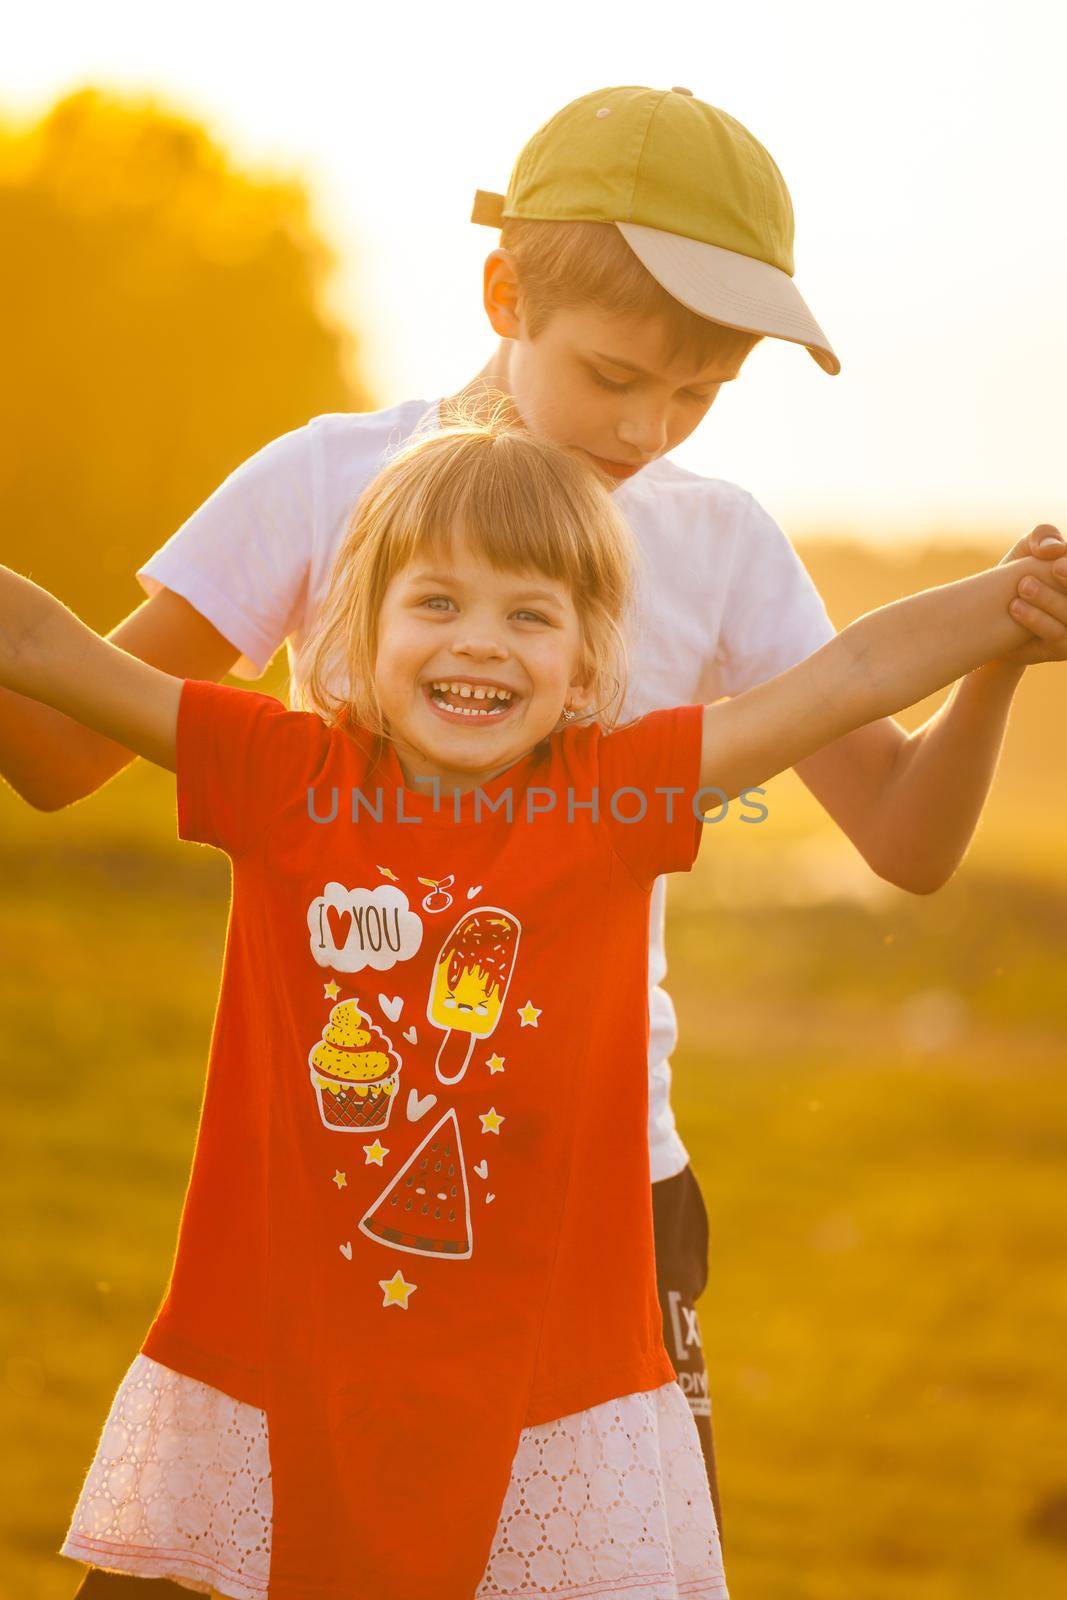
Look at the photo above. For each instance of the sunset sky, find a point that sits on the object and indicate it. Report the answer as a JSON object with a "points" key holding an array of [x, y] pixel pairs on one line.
{"points": [[924, 146]]}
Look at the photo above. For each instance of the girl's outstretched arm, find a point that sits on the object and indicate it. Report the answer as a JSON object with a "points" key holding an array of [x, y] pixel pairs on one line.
{"points": [[48, 653], [885, 661]]}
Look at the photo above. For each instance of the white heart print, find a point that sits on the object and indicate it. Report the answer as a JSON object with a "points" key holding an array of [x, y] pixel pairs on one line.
{"points": [[418, 1108]]}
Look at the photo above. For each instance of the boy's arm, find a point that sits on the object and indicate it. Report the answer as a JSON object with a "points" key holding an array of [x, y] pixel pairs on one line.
{"points": [[885, 661], [47, 653], [51, 760], [910, 802]]}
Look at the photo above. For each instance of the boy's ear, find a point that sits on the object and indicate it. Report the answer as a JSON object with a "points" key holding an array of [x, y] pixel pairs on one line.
{"points": [[500, 294]]}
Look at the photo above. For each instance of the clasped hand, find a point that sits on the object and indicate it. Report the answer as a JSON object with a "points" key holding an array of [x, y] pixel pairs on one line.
{"points": [[1041, 605]]}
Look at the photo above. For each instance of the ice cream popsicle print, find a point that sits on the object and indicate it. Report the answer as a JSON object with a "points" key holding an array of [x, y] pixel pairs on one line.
{"points": [[470, 982]]}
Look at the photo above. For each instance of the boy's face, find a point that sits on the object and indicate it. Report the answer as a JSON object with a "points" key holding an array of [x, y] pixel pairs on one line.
{"points": [[605, 384], [474, 666]]}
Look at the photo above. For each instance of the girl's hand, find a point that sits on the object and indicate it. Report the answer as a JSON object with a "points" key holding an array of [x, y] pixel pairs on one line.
{"points": [[1041, 603], [49, 654]]}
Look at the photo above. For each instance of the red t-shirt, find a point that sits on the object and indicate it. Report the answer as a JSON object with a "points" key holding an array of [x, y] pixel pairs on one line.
{"points": [[419, 1216]]}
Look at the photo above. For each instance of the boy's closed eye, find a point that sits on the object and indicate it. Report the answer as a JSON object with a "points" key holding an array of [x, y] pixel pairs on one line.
{"points": [[616, 386], [604, 382]]}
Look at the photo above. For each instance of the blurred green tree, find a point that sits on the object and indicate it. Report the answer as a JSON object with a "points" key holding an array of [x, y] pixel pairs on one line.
{"points": [[164, 315]]}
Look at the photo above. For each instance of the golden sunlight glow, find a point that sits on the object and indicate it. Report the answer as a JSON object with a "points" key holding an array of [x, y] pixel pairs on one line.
{"points": [[922, 160]]}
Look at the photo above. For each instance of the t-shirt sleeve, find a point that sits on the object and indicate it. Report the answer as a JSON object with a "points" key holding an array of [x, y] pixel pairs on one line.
{"points": [[773, 614], [239, 756], [648, 778], [243, 558]]}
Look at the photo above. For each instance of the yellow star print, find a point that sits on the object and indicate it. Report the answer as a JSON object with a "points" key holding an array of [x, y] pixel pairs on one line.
{"points": [[395, 1290], [490, 1120], [529, 1014], [375, 1153], [339, 1179], [331, 990], [495, 1063], [387, 872]]}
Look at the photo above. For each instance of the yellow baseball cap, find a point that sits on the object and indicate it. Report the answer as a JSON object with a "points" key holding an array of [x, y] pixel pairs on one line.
{"points": [[699, 201]]}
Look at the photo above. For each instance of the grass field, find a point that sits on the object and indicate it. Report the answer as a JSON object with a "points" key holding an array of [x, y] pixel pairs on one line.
{"points": [[871, 1089]]}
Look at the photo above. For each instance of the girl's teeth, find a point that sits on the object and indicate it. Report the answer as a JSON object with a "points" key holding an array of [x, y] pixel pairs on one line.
{"points": [[466, 711], [465, 691]]}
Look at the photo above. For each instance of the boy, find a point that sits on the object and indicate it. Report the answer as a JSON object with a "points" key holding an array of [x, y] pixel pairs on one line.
{"points": [[646, 247]]}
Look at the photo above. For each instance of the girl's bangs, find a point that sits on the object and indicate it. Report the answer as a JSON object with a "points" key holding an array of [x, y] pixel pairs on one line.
{"points": [[506, 512]]}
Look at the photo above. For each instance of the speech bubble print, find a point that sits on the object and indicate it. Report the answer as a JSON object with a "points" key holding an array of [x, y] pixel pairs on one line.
{"points": [[351, 929]]}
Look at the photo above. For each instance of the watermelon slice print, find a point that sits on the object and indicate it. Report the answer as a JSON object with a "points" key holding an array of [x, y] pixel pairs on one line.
{"points": [[425, 1210]]}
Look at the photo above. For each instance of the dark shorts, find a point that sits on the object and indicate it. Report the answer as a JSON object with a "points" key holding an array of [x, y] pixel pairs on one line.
{"points": [[681, 1230]]}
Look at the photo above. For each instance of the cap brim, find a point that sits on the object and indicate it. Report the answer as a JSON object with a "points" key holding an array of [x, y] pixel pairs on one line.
{"points": [[730, 288]]}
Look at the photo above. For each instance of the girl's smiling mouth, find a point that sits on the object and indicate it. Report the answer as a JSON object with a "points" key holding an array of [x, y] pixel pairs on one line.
{"points": [[472, 699]]}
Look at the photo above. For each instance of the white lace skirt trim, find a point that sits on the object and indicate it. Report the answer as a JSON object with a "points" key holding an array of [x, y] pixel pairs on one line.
{"points": [[610, 1501]]}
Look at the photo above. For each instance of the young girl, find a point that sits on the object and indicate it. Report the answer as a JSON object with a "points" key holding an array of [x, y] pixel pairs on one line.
{"points": [[400, 1262]]}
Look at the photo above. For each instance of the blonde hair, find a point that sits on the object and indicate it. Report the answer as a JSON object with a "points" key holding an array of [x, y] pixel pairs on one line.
{"points": [[566, 264], [522, 503]]}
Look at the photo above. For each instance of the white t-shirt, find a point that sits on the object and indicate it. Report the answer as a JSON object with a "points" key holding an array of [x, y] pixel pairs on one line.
{"points": [[723, 602]]}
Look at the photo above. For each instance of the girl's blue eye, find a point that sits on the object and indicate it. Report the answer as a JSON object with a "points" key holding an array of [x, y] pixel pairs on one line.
{"points": [[442, 603]]}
